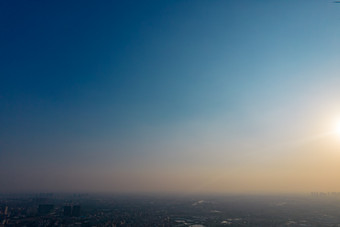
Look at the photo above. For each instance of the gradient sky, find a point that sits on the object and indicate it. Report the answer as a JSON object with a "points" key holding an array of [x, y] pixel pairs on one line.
{"points": [[169, 96]]}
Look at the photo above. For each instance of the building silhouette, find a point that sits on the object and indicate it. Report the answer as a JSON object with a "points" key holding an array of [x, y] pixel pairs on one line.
{"points": [[72, 211], [67, 210], [45, 208], [76, 211]]}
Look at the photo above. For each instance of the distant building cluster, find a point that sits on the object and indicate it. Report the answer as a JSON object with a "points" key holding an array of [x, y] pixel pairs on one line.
{"points": [[41, 210], [318, 194], [72, 210], [113, 211]]}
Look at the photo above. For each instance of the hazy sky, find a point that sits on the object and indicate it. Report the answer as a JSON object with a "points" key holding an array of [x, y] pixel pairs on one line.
{"points": [[169, 96]]}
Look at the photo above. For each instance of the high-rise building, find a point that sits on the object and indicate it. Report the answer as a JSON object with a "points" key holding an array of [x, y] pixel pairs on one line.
{"points": [[76, 211], [67, 210]]}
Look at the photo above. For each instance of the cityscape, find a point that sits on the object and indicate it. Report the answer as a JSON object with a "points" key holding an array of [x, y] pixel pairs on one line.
{"points": [[48, 209], [169, 113]]}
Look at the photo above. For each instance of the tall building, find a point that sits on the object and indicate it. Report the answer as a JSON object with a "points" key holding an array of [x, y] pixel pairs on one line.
{"points": [[76, 211], [67, 210]]}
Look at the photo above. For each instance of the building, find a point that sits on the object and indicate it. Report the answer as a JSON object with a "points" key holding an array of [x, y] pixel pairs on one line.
{"points": [[76, 211], [67, 210], [45, 208]]}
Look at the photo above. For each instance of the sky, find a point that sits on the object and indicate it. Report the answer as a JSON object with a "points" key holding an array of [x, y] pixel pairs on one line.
{"points": [[169, 96]]}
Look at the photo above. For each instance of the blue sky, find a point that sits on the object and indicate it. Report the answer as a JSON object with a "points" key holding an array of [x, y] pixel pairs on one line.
{"points": [[94, 92]]}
